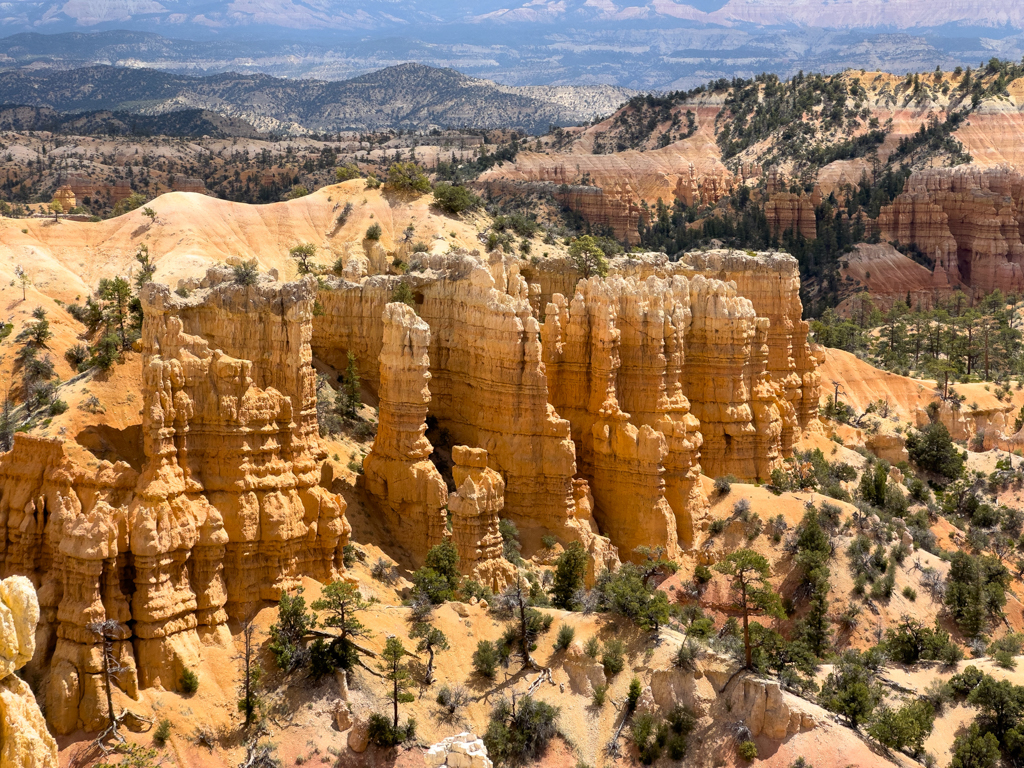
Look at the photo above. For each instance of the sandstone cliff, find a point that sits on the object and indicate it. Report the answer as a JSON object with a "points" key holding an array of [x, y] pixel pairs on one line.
{"points": [[600, 401], [24, 740], [968, 220], [226, 510]]}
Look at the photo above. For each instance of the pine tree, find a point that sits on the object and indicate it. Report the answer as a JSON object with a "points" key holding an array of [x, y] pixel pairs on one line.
{"points": [[350, 397], [397, 674], [570, 571], [749, 572]]}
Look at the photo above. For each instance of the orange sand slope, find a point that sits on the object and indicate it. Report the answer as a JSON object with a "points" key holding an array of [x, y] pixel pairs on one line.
{"points": [[192, 232]]}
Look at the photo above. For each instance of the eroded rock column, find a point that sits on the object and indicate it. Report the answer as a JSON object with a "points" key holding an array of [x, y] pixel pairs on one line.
{"points": [[398, 472], [475, 508]]}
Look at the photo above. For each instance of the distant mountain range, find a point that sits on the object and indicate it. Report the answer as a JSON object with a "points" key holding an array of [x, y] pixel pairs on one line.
{"points": [[570, 47], [394, 15], [408, 96], [185, 122]]}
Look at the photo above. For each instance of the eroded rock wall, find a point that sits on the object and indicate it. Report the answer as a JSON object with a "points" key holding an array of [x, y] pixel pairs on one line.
{"points": [[604, 398], [24, 738], [968, 219], [225, 512], [398, 472]]}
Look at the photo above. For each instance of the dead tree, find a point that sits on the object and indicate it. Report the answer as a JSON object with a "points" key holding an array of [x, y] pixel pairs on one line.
{"points": [[251, 669], [109, 631]]}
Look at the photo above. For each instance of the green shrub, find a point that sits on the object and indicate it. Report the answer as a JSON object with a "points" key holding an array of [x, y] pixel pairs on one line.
{"points": [[702, 574], [485, 659], [162, 732], [402, 294], [975, 749], [932, 449], [189, 681], [347, 172], [724, 484], [408, 177], [510, 541], [747, 750], [76, 355], [566, 635], [686, 655], [570, 573], [246, 273], [599, 695], [636, 688], [287, 635], [374, 232], [613, 657], [438, 580], [520, 736], [1004, 659], [962, 683], [592, 647], [454, 199], [381, 731], [903, 728], [644, 733]]}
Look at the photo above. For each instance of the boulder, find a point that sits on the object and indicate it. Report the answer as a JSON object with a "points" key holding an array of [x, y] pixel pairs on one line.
{"points": [[342, 716], [359, 733], [585, 674]]}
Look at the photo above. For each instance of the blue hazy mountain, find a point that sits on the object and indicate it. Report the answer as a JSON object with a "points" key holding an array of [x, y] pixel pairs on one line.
{"points": [[652, 44]]}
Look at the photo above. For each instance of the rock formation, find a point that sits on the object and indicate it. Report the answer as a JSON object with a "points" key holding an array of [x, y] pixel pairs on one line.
{"points": [[66, 197], [475, 509], [968, 220], [25, 741], [487, 382], [787, 211], [226, 510], [463, 750], [598, 402], [770, 712], [398, 472]]}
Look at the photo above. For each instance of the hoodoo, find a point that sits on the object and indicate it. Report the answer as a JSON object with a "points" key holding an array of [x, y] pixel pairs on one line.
{"points": [[618, 384], [225, 511]]}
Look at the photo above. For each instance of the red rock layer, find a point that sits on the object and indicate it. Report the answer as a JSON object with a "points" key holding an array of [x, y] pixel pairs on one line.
{"points": [[969, 220]]}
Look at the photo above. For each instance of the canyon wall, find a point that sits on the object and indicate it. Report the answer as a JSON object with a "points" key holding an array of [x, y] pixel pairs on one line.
{"points": [[968, 220], [598, 402], [584, 409], [225, 510], [25, 741]]}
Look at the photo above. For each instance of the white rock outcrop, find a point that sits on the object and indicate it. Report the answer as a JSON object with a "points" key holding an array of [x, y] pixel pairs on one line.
{"points": [[463, 750], [768, 711]]}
